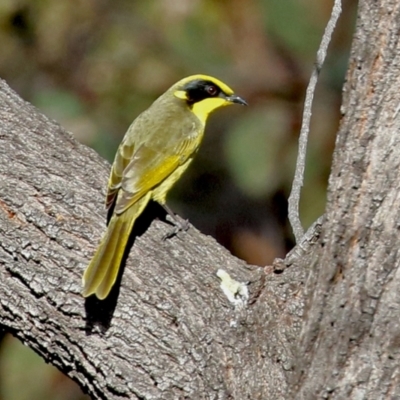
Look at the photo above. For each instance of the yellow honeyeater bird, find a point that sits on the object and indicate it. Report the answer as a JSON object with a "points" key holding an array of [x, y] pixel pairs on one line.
{"points": [[155, 151]]}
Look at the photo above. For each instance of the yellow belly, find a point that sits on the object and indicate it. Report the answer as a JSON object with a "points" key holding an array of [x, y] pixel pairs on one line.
{"points": [[160, 192]]}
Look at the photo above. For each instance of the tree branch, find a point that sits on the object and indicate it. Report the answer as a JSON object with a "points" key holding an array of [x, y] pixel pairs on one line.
{"points": [[294, 198], [168, 330]]}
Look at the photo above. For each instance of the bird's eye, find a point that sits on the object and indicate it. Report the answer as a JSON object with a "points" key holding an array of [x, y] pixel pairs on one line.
{"points": [[212, 90]]}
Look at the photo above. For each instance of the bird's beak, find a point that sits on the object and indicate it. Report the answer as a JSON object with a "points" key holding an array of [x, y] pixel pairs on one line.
{"points": [[236, 99]]}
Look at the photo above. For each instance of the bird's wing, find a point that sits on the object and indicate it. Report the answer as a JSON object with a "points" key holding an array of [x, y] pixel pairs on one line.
{"points": [[122, 159], [149, 166]]}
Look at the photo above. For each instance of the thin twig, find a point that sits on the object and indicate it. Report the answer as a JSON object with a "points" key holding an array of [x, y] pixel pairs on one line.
{"points": [[294, 198]]}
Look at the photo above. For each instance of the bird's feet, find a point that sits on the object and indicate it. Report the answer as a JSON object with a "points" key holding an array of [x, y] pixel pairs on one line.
{"points": [[180, 226]]}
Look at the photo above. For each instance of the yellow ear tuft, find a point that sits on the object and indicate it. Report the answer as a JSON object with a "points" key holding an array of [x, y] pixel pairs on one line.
{"points": [[202, 109], [180, 94]]}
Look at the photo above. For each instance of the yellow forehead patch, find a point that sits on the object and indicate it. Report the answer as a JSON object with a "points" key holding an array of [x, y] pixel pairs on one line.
{"points": [[225, 88]]}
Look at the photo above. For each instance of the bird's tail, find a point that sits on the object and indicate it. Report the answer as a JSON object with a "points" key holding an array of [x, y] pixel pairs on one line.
{"points": [[102, 272]]}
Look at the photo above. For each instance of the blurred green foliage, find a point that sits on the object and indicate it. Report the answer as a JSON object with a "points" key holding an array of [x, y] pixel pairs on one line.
{"points": [[25, 376], [95, 65]]}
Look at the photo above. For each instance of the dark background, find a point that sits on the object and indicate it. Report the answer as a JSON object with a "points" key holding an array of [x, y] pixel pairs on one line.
{"points": [[94, 65]]}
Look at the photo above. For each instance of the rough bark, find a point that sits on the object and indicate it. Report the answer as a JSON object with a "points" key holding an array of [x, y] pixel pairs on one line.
{"points": [[349, 346], [168, 331]]}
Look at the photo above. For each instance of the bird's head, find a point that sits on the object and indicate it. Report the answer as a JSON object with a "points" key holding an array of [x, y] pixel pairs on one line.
{"points": [[204, 94]]}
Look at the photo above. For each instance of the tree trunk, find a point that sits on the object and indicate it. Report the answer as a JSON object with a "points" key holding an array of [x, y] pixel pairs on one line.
{"points": [[168, 330], [349, 344]]}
